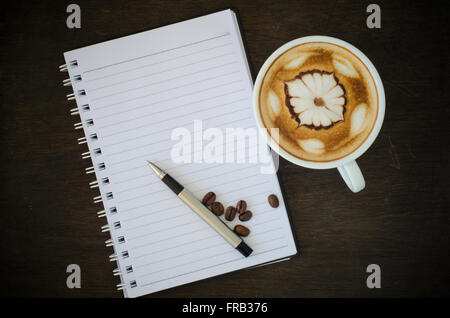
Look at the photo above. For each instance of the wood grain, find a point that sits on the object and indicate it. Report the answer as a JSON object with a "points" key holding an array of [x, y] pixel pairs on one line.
{"points": [[400, 221]]}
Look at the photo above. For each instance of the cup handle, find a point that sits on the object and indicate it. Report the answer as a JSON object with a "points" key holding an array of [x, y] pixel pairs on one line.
{"points": [[352, 176]]}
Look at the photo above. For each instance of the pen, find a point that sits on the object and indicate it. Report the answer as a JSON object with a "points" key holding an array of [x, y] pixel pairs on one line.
{"points": [[202, 211]]}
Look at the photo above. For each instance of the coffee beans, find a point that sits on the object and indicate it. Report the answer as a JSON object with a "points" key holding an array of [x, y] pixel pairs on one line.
{"points": [[245, 216], [241, 206], [209, 198], [217, 208], [230, 213], [273, 201], [241, 230]]}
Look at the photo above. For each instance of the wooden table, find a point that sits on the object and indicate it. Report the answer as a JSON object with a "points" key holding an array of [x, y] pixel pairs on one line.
{"points": [[400, 221]]}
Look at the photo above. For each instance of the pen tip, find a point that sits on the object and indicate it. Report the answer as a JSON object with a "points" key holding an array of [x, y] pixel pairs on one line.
{"points": [[155, 168]]}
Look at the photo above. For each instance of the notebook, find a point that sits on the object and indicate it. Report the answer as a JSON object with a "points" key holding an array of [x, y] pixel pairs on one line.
{"points": [[132, 94]]}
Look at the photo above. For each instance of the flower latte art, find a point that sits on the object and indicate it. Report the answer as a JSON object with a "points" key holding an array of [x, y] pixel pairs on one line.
{"points": [[322, 98], [316, 99]]}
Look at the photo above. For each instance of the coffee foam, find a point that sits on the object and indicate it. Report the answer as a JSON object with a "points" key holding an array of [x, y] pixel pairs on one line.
{"points": [[314, 126]]}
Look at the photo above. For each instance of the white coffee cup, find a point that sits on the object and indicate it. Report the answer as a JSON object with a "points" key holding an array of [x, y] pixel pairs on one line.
{"points": [[347, 166]]}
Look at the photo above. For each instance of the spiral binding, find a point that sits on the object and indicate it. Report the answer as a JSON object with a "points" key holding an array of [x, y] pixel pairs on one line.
{"points": [[80, 95], [122, 286], [65, 67], [118, 271]]}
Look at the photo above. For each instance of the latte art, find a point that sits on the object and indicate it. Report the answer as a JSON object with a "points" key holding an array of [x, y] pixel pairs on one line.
{"points": [[316, 99], [322, 98]]}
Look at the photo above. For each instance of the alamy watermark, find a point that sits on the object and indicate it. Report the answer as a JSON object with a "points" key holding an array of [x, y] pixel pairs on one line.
{"points": [[74, 279], [373, 21], [73, 21], [374, 279], [229, 145]]}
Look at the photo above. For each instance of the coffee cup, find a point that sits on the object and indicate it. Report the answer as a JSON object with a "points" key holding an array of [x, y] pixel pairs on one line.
{"points": [[326, 100]]}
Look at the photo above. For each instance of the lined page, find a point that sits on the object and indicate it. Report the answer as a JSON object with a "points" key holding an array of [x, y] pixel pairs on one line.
{"points": [[139, 89]]}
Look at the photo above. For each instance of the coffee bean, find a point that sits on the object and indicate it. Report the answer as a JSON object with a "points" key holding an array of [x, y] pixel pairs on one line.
{"points": [[247, 215], [241, 230], [230, 213], [217, 208], [273, 201], [209, 198], [241, 206]]}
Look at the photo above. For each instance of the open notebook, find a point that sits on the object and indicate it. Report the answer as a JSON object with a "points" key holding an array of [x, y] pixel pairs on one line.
{"points": [[131, 94]]}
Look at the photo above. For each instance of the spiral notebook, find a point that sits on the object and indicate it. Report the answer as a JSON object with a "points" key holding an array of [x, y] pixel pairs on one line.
{"points": [[131, 94]]}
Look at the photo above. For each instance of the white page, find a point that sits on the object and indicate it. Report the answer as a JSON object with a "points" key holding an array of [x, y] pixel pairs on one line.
{"points": [[139, 89]]}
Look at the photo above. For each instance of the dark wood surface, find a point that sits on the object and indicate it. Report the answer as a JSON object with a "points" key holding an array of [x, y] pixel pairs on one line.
{"points": [[400, 221]]}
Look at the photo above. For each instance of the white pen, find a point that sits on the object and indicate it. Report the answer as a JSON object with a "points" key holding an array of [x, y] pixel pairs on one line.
{"points": [[202, 211]]}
